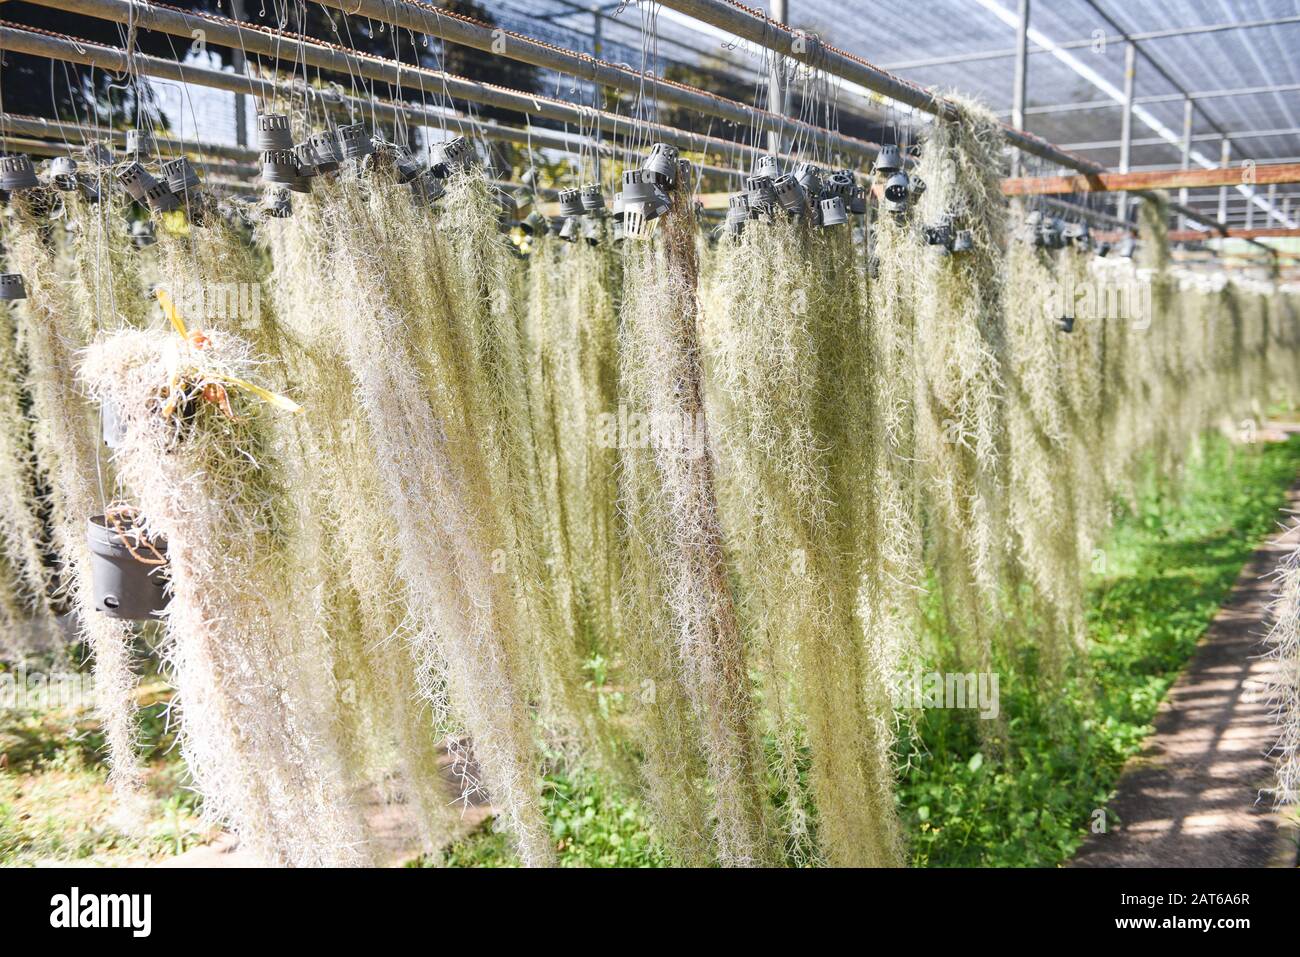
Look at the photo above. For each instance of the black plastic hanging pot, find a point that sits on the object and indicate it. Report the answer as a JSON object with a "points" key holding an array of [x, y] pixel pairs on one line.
{"points": [[456, 153], [141, 144], [182, 178], [889, 160], [17, 174], [12, 288], [833, 212], [661, 164], [280, 167], [534, 224], [325, 146], [768, 166], [146, 190], [128, 571], [761, 193], [643, 203], [897, 190], [592, 199], [789, 194], [737, 213], [809, 176], [570, 202], [273, 132]]}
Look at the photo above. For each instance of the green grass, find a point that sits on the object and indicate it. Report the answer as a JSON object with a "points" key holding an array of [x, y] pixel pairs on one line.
{"points": [[591, 827], [1027, 797], [55, 802]]}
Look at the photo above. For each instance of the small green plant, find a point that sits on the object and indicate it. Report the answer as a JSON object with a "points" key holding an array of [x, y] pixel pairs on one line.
{"points": [[1170, 563]]}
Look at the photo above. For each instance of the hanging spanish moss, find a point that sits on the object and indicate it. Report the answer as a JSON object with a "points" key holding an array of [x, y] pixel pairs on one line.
{"points": [[896, 261], [795, 367], [110, 273], [66, 440], [329, 451], [25, 607], [573, 394], [683, 636], [389, 750], [195, 460], [1041, 513], [1089, 374], [960, 341], [435, 395]]}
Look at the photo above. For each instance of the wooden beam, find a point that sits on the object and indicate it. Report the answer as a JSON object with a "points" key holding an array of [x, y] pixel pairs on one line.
{"points": [[1262, 175], [1191, 235]]}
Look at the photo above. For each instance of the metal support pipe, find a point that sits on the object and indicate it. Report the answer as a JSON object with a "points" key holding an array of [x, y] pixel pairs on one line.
{"points": [[1196, 95], [1196, 138], [1126, 128], [1225, 160], [1187, 154], [1021, 79], [776, 82]]}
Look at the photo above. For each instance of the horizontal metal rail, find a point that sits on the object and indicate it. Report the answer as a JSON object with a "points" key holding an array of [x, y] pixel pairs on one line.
{"points": [[428, 20], [24, 39], [294, 48]]}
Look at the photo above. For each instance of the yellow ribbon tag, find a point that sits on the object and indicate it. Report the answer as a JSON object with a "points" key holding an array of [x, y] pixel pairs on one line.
{"points": [[266, 395], [169, 310]]}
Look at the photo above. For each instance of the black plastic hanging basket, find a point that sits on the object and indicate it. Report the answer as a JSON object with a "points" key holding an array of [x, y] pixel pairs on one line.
{"points": [[128, 570]]}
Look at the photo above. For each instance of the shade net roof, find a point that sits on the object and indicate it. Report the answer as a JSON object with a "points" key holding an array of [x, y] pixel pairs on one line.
{"points": [[1077, 56]]}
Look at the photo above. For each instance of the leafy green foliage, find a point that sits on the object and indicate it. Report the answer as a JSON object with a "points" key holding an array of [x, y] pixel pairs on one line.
{"points": [[1023, 795], [591, 827]]}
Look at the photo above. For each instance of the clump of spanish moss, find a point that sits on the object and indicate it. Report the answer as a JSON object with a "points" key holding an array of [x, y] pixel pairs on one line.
{"points": [[684, 643], [66, 442], [1087, 374], [431, 339], [24, 607], [960, 343], [569, 342], [1041, 503], [255, 699], [1284, 680], [795, 368], [347, 532]]}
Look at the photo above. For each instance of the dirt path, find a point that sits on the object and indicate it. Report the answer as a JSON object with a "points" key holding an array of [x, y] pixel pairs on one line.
{"points": [[1190, 799]]}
